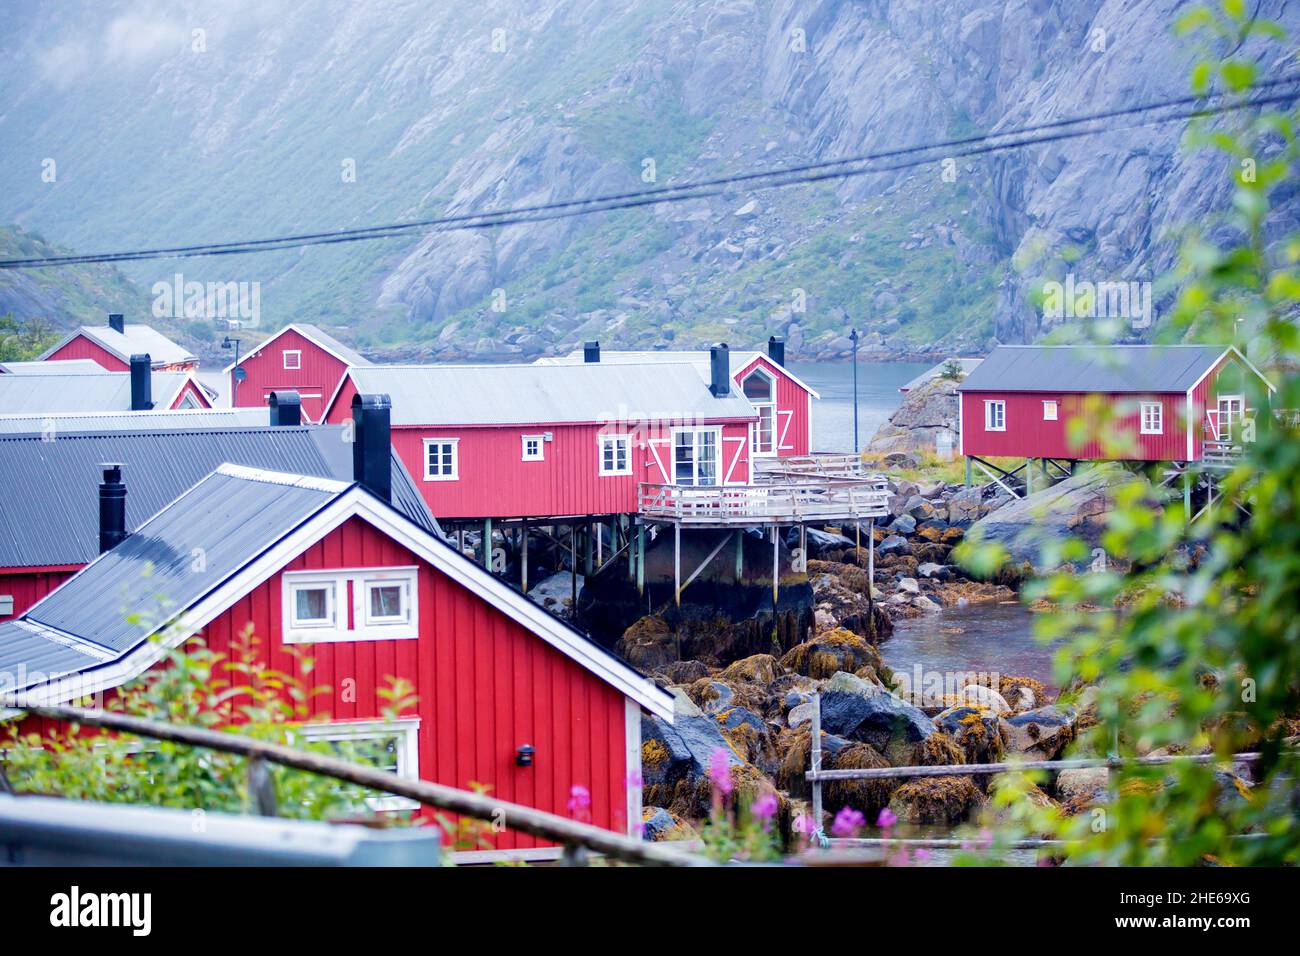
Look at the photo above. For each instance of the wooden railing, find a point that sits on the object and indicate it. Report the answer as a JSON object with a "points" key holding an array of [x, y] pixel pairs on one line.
{"points": [[739, 504], [1221, 454], [821, 466]]}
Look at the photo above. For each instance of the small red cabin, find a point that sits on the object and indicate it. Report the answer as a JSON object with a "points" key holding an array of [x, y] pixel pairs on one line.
{"points": [[782, 402], [300, 358], [531, 441], [112, 346], [332, 568], [1164, 402]]}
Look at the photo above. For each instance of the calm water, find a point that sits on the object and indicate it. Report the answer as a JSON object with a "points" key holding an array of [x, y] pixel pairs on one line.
{"points": [[992, 638], [878, 397]]}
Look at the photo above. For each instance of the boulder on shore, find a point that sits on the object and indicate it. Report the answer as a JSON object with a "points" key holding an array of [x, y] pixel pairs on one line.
{"points": [[1040, 734]]}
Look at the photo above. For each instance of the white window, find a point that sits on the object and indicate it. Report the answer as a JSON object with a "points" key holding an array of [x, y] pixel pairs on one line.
{"points": [[1153, 418], [615, 454], [995, 416], [534, 447], [293, 359], [189, 401], [441, 459], [363, 604], [1049, 411], [760, 389], [389, 745], [695, 456]]}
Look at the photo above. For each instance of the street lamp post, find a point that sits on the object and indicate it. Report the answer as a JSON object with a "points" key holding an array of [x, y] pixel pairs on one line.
{"points": [[229, 343], [853, 337]]}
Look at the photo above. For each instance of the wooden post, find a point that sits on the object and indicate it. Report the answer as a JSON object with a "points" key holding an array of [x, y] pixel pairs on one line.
{"points": [[967, 471], [1029, 477], [677, 563], [803, 543], [815, 755], [626, 524], [640, 559], [776, 566], [587, 550], [487, 543], [871, 554], [1187, 496], [740, 554], [600, 544], [523, 557]]}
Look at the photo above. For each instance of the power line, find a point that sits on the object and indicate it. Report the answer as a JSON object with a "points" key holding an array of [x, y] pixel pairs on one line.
{"points": [[765, 179]]}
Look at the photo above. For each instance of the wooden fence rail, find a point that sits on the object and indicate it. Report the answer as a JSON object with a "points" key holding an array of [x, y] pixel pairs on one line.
{"points": [[838, 499], [546, 826]]}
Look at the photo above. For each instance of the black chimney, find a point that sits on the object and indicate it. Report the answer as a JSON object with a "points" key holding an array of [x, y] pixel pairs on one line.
{"points": [[112, 508], [117, 322], [720, 370], [141, 383], [372, 444], [776, 349], [591, 351], [286, 408]]}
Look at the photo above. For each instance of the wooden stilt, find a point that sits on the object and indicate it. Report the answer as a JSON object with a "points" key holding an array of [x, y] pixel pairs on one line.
{"points": [[968, 471], [776, 566], [677, 564], [1187, 496], [871, 553], [740, 555], [487, 543], [523, 557], [587, 554], [640, 559]]}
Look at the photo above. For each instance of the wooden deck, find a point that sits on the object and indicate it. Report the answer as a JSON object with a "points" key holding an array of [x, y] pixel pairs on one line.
{"points": [[1222, 455], [817, 466], [767, 503]]}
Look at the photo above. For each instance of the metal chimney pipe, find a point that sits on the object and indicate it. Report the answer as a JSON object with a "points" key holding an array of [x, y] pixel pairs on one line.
{"points": [[372, 444], [112, 507], [117, 322], [776, 349], [720, 370], [141, 383], [286, 409], [591, 351]]}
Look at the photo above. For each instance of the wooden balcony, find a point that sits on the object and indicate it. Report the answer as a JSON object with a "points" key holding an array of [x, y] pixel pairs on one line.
{"points": [[767, 503], [817, 466], [1223, 455]]}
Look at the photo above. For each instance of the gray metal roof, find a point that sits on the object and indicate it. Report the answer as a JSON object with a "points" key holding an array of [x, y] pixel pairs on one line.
{"points": [[189, 418], [28, 654], [49, 490], [345, 352], [132, 340], [700, 359], [32, 393], [1092, 368], [967, 365], [128, 593], [65, 366], [546, 394]]}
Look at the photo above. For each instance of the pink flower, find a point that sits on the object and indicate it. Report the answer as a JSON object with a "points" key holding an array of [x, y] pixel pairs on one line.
{"points": [[886, 819], [847, 822], [765, 807], [634, 778], [921, 856], [579, 801], [803, 824], [720, 770]]}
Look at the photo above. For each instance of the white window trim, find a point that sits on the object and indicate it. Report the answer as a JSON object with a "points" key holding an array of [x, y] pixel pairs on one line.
{"points": [[601, 442], [311, 582], [672, 454], [455, 459], [1159, 428], [363, 628], [541, 448], [405, 729], [989, 405], [770, 403], [297, 354], [1055, 409]]}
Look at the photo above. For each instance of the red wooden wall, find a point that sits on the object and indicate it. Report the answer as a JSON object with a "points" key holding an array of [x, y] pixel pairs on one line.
{"points": [[1027, 435], [83, 348], [315, 381], [28, 585], [793, 406], [191, 388]]}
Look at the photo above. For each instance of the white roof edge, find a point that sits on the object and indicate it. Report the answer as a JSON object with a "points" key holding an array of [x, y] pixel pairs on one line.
{"points": [[268, 477], [297, 328]]}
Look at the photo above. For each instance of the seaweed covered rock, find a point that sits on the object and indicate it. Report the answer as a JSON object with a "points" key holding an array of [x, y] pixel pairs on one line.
{"points": [[749, 736], [713, 695], [795, 747], [684, 672], [756, 669], [649, 644], [659, 825], [1042, 733], [677, 753], [880, 719], [936, 800], [936, 750], [835, 650], [1022, 693], [841, 597], [868, 797], [976, 732]]}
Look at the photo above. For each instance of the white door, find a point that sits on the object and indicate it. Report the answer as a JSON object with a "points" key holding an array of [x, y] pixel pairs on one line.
{"points": [[695, 457]]}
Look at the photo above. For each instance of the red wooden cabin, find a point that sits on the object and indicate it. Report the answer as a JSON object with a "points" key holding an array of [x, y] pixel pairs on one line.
{"points": [[1164, 402], [782, 402], [112, 346], [300, 358], [531, 441], [509, 696]]}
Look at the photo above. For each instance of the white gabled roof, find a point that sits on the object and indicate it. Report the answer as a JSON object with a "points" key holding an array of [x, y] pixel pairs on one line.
{"points": [[699, 358], [345, 354], [546, 394], [132, 340]]}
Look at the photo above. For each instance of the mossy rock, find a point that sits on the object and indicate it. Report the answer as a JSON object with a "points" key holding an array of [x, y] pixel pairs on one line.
{"points": [[868, 797], [794, 748], [756, 669], [1014, 689], [837, 649], [936, 800], [649, 644]]}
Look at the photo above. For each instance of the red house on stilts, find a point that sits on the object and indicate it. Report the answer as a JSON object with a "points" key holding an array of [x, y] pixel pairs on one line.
{"points": [[509, 696], [301, 358]]}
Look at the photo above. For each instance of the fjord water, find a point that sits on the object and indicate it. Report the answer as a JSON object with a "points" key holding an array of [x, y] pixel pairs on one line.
{"points": [[878, 397]]}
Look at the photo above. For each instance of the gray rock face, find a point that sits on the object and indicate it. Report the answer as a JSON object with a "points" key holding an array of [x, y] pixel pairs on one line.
{"points": [[689, 743], [1077, 507], [1039, 734], [880, 719], [915, 425]]}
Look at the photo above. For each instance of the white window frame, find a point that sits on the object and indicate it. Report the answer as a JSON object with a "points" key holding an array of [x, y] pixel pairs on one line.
{"points": [[1051, 410], [364, 627], [455, 459], [405, 729], [761, 407], [720, 464], [1158, 427], [297, 355], [541, 447], [989, 405], [602, 441]]}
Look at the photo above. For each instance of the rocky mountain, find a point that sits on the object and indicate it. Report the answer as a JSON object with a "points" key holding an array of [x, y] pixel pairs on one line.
{"points": [[59, 298], [130, 123]]}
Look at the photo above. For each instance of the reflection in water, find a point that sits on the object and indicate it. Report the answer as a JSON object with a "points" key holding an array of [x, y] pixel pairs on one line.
{"points": [[993, 638]]}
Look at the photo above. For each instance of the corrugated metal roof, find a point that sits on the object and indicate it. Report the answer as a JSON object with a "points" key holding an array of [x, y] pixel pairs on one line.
{"points": [[546, 394], [128, 593], [65, 366], [967, 365], [132, 340], [700, 360], [345, 352], [49, 490], [1092, 368], [135, 421], [32, 393], [28, 656]]}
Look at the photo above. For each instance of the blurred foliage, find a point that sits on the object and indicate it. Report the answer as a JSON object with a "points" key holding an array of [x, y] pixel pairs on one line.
{"points": [[24, 341], [1193, 645]]}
